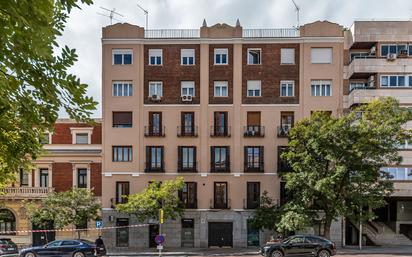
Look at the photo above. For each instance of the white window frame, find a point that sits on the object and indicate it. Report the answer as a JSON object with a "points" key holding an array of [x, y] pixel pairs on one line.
{"points": [[260, 56], [313, 55], [156, 53], [220, 85], [156, 88], [49, 167], [284, 52], [122, 52], [397, 48], [321, 83], [254, 87], [76, 167], [287, 83], [187, 85], [188, 53], [81, 130], [124, 85], [221, 51]]}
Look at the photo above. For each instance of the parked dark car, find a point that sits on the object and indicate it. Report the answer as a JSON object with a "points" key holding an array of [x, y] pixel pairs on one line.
{"points": [[61, 248], [8, 247], [300, 245]]}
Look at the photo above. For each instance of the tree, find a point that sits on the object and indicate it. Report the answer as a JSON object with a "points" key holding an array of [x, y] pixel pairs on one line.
{"points": [[75, 207], [158, 195], [34, 80], [336, 163], [266, 215]]}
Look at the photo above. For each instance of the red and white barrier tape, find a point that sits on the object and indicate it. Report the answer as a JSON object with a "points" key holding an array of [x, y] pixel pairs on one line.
{"points": [[71, 229]]}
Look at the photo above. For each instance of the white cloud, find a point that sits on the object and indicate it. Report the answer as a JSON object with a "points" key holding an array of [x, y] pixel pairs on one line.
{"points": [[83, 31]]}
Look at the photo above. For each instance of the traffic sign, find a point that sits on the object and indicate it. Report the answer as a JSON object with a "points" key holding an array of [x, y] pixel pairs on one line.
{"points": [[99, 223], [161, 214], [159, 239]]}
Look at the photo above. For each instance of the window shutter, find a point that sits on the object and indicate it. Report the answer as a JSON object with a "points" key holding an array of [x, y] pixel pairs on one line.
{"points": [[195, 194], [162, 151], [228, 158], [287, 55], [261, 158], [122, 118], [212, 158], [148, 165], [321, 55], [179, 158], [245, 158], [194, 159]]}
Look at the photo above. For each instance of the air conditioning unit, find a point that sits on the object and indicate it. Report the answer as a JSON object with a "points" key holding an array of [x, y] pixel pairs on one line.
{"points": [[187, 98], [156, 97], [373, 50], [391, 57]]}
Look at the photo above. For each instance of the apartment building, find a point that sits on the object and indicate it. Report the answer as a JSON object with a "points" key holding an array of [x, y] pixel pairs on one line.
{"points": [[378, 62], [214, 106], [72, 159]]}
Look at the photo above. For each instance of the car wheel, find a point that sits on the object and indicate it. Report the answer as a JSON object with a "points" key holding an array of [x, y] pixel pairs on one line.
{"points": [[30, 254], [78, 254], [323, 253], [276, 253]]}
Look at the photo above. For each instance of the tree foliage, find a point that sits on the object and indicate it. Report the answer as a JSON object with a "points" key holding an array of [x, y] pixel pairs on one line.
{"points": [[75, 207], [158, 195], [337, 162], [266, 215], [34, 79]]}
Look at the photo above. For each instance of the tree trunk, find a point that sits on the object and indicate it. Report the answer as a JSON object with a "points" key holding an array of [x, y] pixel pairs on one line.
{"points": [[78, 234], [328, 223]]}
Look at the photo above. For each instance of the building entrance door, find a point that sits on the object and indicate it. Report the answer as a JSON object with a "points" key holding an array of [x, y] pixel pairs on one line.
{"points": [[153, 232], [188, 233], [221, 234], [42, 238]]}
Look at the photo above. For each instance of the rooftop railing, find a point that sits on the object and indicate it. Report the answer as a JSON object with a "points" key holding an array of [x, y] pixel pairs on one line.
{"points": [[172, 33], [270, 33]]}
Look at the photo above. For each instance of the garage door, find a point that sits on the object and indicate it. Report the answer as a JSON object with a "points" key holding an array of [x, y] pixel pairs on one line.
{"points": [[221, 234]]}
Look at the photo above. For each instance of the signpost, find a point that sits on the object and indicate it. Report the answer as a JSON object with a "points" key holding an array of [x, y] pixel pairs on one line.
{"points": [[99, 224], [160, 239]]}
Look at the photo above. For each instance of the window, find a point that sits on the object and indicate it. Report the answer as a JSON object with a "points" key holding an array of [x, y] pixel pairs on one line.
{"points": [[321, 88], [401, 49], [220, 124], [396, 80], [67, 242], [254, 56], [155, 124], [253, 88], [122, 56], [188, 88], [44, 177], [221, 89], [253, 127], [253, 195], [187, 124], [283, 164], [24, 178], [321, 55], [220, 161], [82, 178], [287, 88], [187, 56], [82, 138], [186, 158], [122, 232], [122, 154], [287, 56], [122, 119], [286, 123], [188, 195], [155, 88], [154, 159], [253, 159], [122, 191], [122, 89], [357, 85], [253, 238], [220, 195], [221, 56], [7, 222], [410, 50], [398, 173], [155, 56], [45, 139]]}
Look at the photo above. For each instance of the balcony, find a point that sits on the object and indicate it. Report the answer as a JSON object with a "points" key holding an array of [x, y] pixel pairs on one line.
{"points": [[254, 167], [250, 204], [189, 167], [220, 131], [283, 130], [187, 131], [220, 167], [366, 94], [154, 131], [402, 189], [189, 205], [25, 192], [158, 168], [254, 131], [220, 204], [362, 66]]}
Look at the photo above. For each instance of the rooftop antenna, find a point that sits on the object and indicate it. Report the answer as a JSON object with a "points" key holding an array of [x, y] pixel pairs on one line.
{"points": [[297, 13], [146, 13], [111, 14]]}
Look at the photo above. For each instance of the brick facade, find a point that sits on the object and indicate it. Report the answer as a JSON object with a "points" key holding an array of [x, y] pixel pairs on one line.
{"points": [[220, 73], [96, 178], [172, 73], [270, 72], [62, 176], [62, 133]]}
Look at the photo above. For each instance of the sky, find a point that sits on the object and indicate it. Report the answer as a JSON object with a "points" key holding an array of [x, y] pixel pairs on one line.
{"points": [[83, 29]]}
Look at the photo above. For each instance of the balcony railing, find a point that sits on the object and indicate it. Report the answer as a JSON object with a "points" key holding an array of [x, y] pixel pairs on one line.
{"points": [[187, 131], [270, 33], [187, 205], [250, 167], [219, 167], [172, 33], [250, 204], [25, 192], [220, 205], [154, 131], [220, 131], [186, 167], [254, 131], [154, 168], [283, 130]]}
